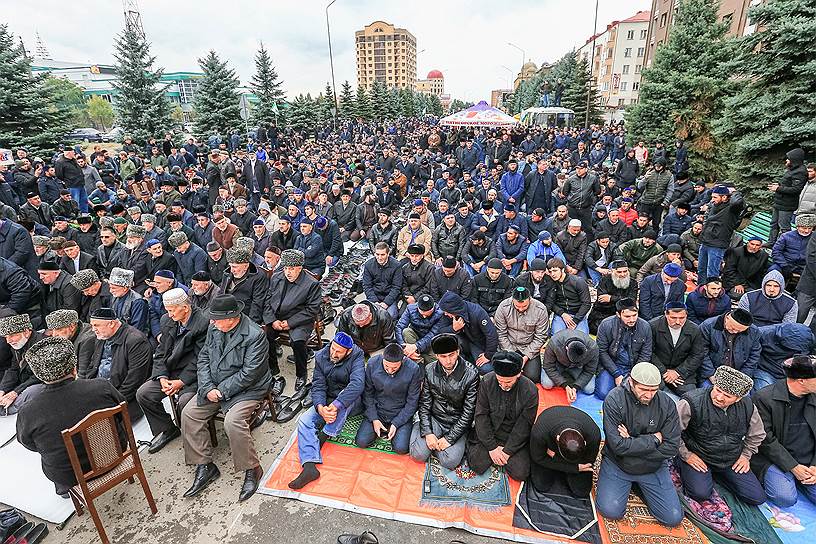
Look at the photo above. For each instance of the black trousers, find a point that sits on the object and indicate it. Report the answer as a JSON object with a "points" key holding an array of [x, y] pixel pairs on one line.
{"points": [[543, 479], [150, 397], [585, 216], [517, 467], [298, 349]]}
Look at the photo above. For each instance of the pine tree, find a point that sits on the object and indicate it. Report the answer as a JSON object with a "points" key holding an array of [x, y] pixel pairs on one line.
{"points": [[379, 101], [27, 115], [298, 115], [347, 106], [394, 104], [141, 103], [328, 104], [217, 109], [773, 112], [575, 95], [435, 106], [267, 87], [684, 88], [363, 105], [407, 102]]}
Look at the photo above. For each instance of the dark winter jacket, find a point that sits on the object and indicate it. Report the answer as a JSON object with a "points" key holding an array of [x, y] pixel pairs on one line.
{"points": [[685, 357], [382, 283], [788, 253], [376, 335], [416, 280], [488, 293], [745, 354], [701, 307], [392, 398], [460, 283], [653, 298], [570, 296], [448, 399], [744, 268], [479, 330], [721, 221], [343, 382], [779, 342], [610, 333], [793, 181], [448, 242], [424, 327]]}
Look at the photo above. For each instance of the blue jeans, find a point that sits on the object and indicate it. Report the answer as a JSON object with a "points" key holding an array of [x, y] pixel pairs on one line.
{"points": [[547, 383], [594, 276], [558, 325], [545, 100], [308, 425], [515, 268], [781, 488], [469, 269], [401, 441], [762, 378], [606, 383], [81, 197], [709, 262], [658, 492]]}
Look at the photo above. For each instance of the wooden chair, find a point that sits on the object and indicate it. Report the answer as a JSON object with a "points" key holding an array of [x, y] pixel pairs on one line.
{"points": [[110, 464]]}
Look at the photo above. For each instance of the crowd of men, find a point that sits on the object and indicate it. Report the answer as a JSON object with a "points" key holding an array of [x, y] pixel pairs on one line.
{"points": [[502, 260]]}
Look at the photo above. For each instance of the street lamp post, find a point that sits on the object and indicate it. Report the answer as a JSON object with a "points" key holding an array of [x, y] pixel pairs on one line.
{"points": [[523, 57], [331, 57], [591, 66]]}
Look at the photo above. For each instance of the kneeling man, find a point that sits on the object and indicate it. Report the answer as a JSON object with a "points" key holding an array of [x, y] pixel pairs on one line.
{"points": [[505, 412], [391, 397], [446, 405]]}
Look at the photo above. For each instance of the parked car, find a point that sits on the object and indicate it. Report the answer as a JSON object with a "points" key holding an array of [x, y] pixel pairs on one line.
{"points": [[84, 134], [113, 135]]}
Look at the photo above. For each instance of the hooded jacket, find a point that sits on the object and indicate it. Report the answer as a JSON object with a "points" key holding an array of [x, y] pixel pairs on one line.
{"points": [[786, 197], [479, 329], [779, 342], [768, 311]]}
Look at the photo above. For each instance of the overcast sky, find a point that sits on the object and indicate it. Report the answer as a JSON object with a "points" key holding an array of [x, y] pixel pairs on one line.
{"points": [[466, 40]]}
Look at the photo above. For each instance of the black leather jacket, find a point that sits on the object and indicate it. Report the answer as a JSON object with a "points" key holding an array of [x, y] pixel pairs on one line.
{"points": [[450, 399]]}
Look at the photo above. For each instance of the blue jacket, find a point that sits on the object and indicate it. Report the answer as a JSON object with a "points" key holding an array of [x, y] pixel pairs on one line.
{"points": [[156, 309], [424, 327], [479, 220], [788, 253], [517, 251], [17, 247], [609, 337], [479, 329], [519, 220], [392, 398], [700, 307], [382, 283], [312, 247], [538, 250], [194, 260], [675, 224], [779, 342], [653, 299], [747, 346], [512, 184], [343, 382]]}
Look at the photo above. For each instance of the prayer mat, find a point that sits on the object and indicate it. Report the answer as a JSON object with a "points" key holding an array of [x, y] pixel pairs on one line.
{"points": [[446, 487], [349, 432], [557, 512], [591, 405], [794, 525]]}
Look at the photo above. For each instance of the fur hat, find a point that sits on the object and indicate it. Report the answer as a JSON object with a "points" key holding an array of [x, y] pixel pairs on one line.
{"points": [[176, 239], [106, 222], [84, 279], [51, 359], [444, 343], [148, 218], [292, 257], [800, 367], [806, 220], [244, 242], [507, 363], [238, 255], [14, 324], [40, 241], [732, 381], [136, 230], [121, 277], [61, 318]]}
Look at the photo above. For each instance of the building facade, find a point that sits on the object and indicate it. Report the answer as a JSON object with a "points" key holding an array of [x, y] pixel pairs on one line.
{"points": [[734, 12], [619, 60], [387, 54], [434, 83]]}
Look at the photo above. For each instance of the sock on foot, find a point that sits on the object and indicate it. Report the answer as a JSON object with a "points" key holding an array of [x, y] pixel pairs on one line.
{"points": [[308, 474]]}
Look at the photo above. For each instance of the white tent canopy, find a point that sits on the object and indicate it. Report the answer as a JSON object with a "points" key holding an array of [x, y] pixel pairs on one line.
{"points": [[480, 115]]}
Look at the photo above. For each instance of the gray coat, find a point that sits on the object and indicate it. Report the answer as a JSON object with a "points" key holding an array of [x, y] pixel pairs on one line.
{"points": [[299, 307], [235, 363]]}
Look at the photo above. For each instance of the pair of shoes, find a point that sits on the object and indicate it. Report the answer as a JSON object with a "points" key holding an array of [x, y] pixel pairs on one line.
{"points": [[204, 476], [278, 385], [366, 538], [289, 408], [10, 521], [28, 533], [163, 438], [252, 479], [261, 416], [301, 388]]}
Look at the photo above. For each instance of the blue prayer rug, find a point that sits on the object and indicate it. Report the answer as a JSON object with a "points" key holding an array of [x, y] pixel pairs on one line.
{"points": [[463, 487]]}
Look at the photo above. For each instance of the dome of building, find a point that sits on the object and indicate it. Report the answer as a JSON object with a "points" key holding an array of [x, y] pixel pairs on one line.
{"points": [[435, 74], [529, 66]]}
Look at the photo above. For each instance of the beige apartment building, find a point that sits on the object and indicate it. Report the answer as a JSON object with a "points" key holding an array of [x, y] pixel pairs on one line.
{"points": [[618, 61], [735, 12], [387, 54]]}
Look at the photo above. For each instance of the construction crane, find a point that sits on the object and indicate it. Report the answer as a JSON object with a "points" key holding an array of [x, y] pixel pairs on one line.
{"points": [[133, 19]]}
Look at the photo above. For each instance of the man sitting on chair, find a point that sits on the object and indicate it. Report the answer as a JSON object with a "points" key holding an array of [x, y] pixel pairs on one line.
{"points": [[40, 425], [506, 408], [183, 330], [233, 377]]}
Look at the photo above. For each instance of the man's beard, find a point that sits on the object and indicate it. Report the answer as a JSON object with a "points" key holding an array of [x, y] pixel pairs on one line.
{"points": [[131, 245], [621, 283]]}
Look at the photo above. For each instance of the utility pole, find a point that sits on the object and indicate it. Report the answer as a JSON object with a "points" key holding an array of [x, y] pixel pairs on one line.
{"points": [[591, 66], [331, 58], [133, 19]]}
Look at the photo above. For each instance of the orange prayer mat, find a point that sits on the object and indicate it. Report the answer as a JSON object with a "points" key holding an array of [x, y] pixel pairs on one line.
{"points": [[390, 486]]}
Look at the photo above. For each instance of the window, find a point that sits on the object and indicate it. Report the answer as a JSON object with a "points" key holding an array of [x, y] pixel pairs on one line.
{"points": [[728, 18], [635, 86], [663, 20], [624, 85], [609, 53], [625, 69], [605, 86], [641, 51], [643, 34], [621, 101], [638, 67], [630, 35], [627, 53], [633, 101]]}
